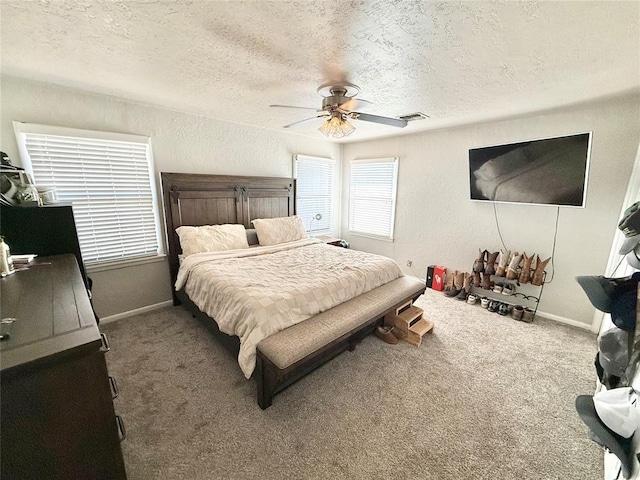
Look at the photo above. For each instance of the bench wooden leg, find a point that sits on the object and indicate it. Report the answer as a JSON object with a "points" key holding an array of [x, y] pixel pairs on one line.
{"points": [[266, 381]]}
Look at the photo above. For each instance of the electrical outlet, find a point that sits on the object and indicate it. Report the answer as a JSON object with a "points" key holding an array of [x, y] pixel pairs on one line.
{"points": [[409, 263]]}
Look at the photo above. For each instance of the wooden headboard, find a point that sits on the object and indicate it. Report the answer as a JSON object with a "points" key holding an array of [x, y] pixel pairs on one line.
{"points": [[197, 199]]}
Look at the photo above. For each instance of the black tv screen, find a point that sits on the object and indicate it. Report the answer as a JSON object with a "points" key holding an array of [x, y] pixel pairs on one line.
{"points": [[551, 171]]}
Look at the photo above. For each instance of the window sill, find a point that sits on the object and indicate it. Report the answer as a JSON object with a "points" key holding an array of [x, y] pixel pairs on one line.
{"points": [[372, 237], [130, 262]]}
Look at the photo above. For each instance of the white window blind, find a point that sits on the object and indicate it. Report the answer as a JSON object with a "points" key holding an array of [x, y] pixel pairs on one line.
{"points": [[314, 192], [108, 182], [372, 197]]}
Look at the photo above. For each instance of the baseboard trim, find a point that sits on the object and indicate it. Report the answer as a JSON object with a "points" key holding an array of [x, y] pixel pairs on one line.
{"points": [[168, 303], [136, 311], [565, 320]]}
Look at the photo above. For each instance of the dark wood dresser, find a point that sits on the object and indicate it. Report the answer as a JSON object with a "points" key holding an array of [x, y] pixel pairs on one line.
{"points": [[56, 403]]}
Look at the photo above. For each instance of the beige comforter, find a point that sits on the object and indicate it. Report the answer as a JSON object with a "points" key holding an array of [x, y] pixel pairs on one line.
{"points": [[256, 292]]}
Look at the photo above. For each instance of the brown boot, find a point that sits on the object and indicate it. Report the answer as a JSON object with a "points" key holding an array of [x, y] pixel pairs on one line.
{"points": [[490, 269], [448, 281], [478, 264], [538, 273], [514, 264], [486, 283], [466, 287], [503, 262], [458, 280], [476, 279], [525, 273], [458, 284]]}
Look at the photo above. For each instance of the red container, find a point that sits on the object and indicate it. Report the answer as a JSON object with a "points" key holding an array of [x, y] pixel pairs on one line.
{"points": [[438, 278]]}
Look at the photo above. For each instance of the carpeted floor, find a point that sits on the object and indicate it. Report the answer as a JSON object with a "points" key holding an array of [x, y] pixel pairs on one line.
{"points": [[484, 397]]}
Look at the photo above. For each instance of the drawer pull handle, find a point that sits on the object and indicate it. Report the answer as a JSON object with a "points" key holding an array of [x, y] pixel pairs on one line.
{"points": [[122, 433], [114, 388], [105, 343]]}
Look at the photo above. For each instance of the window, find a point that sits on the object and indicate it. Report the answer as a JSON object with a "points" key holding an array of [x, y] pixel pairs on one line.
{"points": [[372, 197], [314, 192], [107, 178]]}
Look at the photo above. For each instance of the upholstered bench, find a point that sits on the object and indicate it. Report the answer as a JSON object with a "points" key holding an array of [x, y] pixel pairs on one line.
{"points": [[290, 354]]}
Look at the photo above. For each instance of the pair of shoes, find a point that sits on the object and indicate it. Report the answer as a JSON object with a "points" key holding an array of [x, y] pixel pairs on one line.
{"points": [[508, 289], [523, 314], [461, 285], [386, 333], [466, 287], [504, 309], [499, 307], [458, 284], [479, 264]]}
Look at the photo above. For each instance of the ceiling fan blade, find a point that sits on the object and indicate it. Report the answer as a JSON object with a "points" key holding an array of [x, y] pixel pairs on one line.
{"points": [[302, 121], [394, 122], [293, 106]]}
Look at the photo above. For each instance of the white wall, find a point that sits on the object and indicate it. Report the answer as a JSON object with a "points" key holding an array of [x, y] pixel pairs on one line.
{"points": [[436, 223], [181, 143]]}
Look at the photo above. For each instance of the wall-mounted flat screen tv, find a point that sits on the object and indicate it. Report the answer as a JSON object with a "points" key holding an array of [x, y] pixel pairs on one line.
{"points": [[551, 171]]}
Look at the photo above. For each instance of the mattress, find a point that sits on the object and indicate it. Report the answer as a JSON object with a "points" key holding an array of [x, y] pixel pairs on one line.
{"points": [[254, 293]]}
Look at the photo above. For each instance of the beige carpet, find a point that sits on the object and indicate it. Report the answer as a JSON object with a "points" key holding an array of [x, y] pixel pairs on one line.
{"points": [[484, 397]]}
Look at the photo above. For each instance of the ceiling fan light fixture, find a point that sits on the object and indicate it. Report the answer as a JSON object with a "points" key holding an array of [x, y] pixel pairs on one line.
{"points": [[338, 108], [337, 127]]}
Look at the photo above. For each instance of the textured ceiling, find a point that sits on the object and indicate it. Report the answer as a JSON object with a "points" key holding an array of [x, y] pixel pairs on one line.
{"points": [[458, 62]]}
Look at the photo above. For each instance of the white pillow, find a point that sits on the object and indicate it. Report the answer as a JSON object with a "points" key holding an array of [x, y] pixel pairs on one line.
{"points": [[212, 238], [272, 231]]}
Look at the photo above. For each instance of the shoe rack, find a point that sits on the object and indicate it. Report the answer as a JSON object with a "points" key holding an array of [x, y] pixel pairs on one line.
{"points": [[408, 320], [531, 299], [512, 299]]}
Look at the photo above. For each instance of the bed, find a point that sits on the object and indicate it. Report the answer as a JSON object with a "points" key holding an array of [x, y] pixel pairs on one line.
{"points": [[283, 309]]}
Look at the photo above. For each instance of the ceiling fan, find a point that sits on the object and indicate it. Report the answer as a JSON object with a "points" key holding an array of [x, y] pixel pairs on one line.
{"points": [[338, 107]]}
